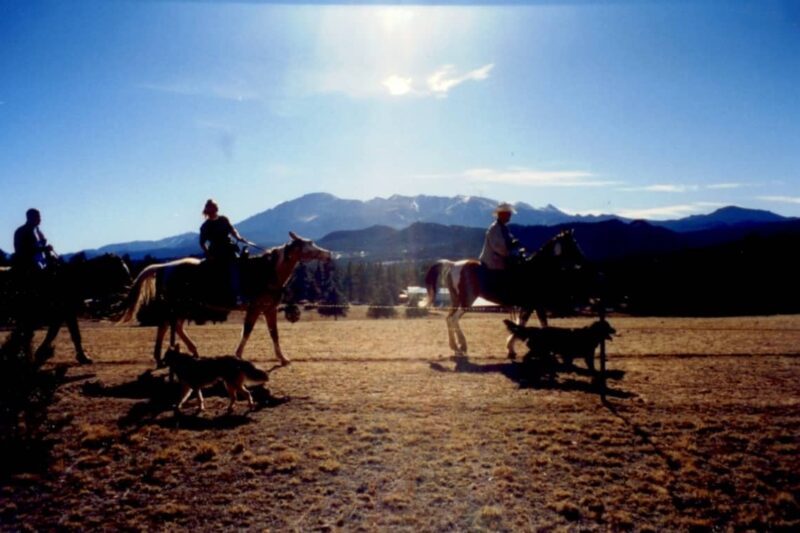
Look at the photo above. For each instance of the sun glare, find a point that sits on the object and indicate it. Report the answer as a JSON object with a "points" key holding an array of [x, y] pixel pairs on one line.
{"points": [[397, 85], [395, 18]]}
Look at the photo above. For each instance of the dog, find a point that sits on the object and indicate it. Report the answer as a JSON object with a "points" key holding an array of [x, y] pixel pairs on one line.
{"points": [[195, 373], [569, 343]]}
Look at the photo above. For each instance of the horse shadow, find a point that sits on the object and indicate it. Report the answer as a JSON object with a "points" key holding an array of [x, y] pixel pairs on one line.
{"points": [[160, 396], [542, 375]]}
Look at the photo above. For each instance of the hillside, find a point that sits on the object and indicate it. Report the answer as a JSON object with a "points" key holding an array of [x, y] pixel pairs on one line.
{"points": [[321, 215]]}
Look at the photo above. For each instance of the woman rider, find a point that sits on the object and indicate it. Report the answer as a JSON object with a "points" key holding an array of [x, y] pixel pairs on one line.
{"points": [[219, 249]]}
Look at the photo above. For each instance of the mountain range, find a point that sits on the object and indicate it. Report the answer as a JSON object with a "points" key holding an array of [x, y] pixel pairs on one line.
{"points": [[429, 226]]}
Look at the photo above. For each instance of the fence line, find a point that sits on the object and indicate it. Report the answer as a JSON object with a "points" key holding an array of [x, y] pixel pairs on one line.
{"points": [[500, 309]]}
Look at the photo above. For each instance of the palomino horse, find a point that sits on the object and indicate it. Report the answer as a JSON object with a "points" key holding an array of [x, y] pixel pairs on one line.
{"points": [[181, 290], [533, 285], [59, 295]]}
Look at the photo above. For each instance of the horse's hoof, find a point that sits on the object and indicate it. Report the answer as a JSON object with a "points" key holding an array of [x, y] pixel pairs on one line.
{"points": [[461, 362], [84, 359], [286, 362]]}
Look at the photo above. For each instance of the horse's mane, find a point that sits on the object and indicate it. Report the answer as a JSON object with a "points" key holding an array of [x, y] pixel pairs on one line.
{"points": [[543, 253]]}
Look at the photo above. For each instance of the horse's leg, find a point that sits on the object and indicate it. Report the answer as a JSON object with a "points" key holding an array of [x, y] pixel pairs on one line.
{"points": [[541, 314], [249, 323], [75, 335], [191, 346], [271, 315], [160, 333], [462, 340], [522, 319], [45, 349], [451, 333]]}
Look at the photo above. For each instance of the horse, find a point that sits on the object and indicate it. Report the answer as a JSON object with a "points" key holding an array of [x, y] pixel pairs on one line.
{"points": [[59, 295], [533, 284], [180, 290]]}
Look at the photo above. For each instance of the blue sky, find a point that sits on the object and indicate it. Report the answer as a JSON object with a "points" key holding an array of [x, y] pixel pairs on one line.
{"points": [[119, 119]]}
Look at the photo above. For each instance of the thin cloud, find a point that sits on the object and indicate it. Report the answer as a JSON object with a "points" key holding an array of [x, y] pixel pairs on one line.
{"points": [[680, 188], [234, 91], [781, 199], [668, 211], [441, 82], [662, 188], [717, 186], [537, 178]]}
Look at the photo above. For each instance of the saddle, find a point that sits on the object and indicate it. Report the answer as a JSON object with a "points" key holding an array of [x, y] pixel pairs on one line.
{"points": [[498, 285], [221, 281]]}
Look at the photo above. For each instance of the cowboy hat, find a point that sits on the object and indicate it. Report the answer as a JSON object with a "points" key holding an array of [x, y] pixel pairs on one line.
{"points": [[504, 207]]}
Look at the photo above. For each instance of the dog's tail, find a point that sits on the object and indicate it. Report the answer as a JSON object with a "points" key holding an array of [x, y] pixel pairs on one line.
{"points": [[253, 373]]}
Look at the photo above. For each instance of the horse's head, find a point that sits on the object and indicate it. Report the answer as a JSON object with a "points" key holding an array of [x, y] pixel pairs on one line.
{"points": [[97, 277], [306, 250], [565, 249], [603, 330]]}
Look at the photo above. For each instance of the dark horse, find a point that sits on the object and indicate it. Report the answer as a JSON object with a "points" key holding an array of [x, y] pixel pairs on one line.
{"points": [[59, 295], [534, 284], [183, 289]]}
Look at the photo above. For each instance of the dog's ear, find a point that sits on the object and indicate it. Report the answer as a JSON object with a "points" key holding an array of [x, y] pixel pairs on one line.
{"points": [[513, 328]]}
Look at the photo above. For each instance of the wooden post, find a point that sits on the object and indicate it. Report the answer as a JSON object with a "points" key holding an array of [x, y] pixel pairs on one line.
{"points": [[602, 313]]}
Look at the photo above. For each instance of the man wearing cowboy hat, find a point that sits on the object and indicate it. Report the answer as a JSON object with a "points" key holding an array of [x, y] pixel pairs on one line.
{"points": [[498, 247], [499, 243]]}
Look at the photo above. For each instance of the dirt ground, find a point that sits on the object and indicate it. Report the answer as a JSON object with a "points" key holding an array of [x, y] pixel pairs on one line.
{"points": [[371, 428]]}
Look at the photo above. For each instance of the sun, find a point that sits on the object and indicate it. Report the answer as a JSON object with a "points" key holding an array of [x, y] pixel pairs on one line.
{"points": [[395, 18], [397, 85]]}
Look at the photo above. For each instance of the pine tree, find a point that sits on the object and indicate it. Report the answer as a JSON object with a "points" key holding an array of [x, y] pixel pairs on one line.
{"points": [[333, 300], [383, 304]]}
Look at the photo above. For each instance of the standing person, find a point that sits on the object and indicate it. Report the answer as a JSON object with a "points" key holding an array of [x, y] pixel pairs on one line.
{"points": [[218, 240], [498, 247]]}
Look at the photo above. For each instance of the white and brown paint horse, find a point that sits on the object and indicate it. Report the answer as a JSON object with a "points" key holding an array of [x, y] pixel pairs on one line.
{"points": [[181, 289], [536, 284]]}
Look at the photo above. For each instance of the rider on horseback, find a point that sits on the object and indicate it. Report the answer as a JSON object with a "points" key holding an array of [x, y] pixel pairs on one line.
{"points": [[41, 293], [32, 254], [220, 251], [500, 249], [33, 262]]}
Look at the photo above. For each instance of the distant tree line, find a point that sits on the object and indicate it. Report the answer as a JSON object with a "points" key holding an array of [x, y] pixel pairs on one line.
{"points": [[337, 284]]}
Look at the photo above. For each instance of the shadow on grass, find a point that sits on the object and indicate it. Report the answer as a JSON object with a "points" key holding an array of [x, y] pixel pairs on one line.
{"points": [[161, 396], [534, 375]]}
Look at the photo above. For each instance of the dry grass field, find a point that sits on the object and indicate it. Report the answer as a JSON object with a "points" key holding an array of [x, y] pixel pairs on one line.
{"points": [[372, 429]]}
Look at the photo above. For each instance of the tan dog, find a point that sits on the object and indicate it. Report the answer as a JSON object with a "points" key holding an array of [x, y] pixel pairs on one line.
{"points": [[194, 373], [569, 343]]}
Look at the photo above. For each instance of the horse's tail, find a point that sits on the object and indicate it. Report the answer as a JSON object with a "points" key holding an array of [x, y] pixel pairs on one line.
{"points": [[432, 279], [142, 292]]}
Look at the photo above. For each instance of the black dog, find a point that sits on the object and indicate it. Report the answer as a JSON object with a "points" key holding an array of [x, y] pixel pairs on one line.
{"points": [[569, 343]]}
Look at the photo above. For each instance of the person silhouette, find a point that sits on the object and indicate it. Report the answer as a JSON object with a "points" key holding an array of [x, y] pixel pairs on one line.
{"points": [[498, 247], [218, 238], [32, 254]]}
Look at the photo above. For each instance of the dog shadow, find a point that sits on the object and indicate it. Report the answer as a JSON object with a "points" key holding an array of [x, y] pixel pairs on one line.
{"points": [[160, 396], [540, 375]]}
